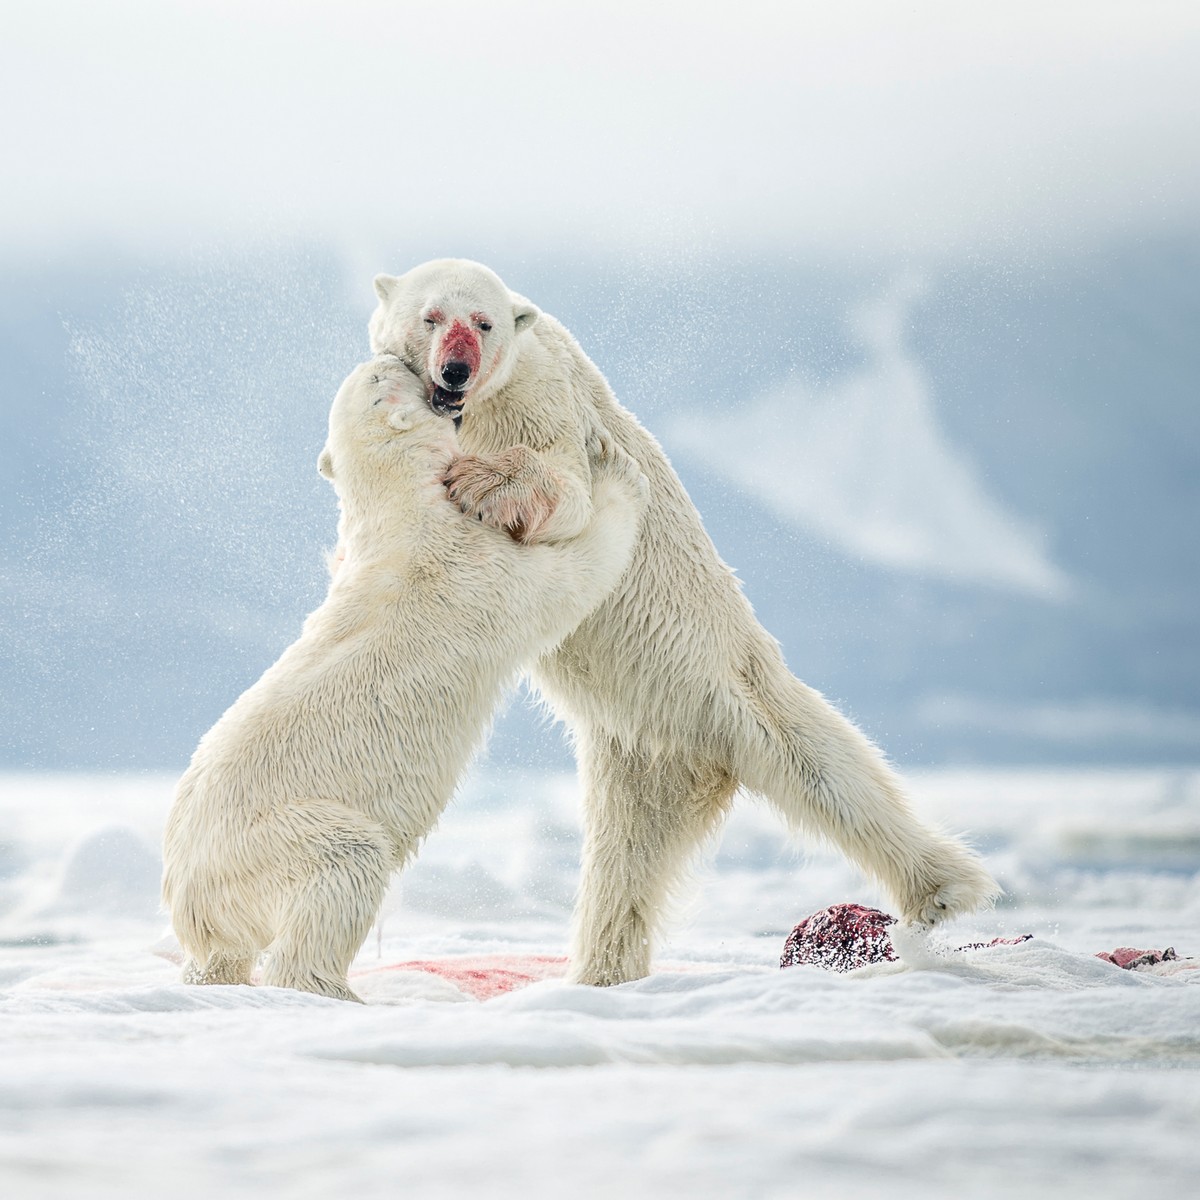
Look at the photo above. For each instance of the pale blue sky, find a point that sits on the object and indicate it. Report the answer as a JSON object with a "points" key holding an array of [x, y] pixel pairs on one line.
{"points": [[934, 127]]}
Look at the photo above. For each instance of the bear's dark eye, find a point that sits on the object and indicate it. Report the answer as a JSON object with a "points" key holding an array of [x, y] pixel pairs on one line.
{"points": [[431, 322], [483, 325]]}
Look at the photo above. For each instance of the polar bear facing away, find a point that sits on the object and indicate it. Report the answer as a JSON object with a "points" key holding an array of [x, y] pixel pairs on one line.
{"points": [[323, 778], [674, 692]]}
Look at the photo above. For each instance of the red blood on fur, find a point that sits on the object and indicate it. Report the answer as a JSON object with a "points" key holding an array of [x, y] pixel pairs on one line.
{"points": [[460, 345]]}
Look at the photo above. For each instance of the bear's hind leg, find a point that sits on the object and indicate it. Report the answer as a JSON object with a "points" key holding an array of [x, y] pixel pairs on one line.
{"points": [[327, 913], [825, 777], [645, 818]]}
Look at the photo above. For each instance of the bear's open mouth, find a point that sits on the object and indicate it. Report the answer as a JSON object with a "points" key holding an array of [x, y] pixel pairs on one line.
{"points": [[445, 403]]}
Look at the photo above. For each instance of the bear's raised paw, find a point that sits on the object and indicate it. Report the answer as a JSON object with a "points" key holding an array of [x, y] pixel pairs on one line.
{"points": [[607, 457], [501, 490]]}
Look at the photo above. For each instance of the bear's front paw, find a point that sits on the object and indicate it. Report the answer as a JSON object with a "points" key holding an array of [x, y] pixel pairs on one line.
{"points": [[470, 480], [599, 445], [607, 457], [498, 492]]}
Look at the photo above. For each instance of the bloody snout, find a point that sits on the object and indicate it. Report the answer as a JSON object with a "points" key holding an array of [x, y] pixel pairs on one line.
{"points": [[460, 353]]}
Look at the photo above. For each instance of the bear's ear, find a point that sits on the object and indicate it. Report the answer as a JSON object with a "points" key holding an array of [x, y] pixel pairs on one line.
{"points": [[525, 315], [385, 285], [325, 463]]}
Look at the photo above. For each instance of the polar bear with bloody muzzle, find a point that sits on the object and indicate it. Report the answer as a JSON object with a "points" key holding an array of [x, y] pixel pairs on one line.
{"points": [[674, 692]]}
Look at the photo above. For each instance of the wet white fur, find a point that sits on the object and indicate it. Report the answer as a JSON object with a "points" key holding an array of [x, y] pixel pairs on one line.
{"points": [[674, 692], [323, 777]]}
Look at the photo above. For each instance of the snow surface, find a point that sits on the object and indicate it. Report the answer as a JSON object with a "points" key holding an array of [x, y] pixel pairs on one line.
{"points": [[1027, 1070]]}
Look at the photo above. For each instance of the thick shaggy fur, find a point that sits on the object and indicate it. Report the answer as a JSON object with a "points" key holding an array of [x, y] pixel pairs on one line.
{"points": [[323, 778], [674, 692]]}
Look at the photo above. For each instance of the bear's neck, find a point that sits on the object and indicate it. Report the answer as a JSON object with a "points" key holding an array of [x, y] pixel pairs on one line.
{"points": [[495, 422]]}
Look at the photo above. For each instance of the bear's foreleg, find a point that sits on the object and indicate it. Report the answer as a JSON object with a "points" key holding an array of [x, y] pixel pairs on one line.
{"points": [[645, 817]]}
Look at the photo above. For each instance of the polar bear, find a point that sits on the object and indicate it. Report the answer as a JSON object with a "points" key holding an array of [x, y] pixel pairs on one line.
{"points": [[324, 777], [674, 692]]}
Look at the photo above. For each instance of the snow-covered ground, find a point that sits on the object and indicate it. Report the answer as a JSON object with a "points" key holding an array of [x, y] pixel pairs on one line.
{"points": [[1031, 1070]]}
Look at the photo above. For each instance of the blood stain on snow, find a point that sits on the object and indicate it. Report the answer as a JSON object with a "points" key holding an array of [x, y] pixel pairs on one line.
{"points": [[486, 975]]}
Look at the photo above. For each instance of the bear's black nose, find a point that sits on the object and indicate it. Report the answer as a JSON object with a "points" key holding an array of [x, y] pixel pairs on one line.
{"points": [[455, 374]]}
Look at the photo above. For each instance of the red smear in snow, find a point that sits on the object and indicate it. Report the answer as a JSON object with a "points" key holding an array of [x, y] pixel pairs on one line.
{"points": [[485, 975], [999, 941]]}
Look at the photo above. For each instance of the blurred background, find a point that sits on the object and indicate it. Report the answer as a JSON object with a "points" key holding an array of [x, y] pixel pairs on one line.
{"points": [[907, 292]]}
